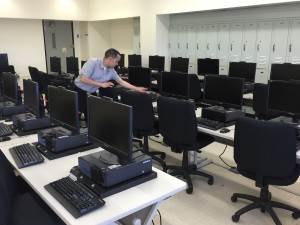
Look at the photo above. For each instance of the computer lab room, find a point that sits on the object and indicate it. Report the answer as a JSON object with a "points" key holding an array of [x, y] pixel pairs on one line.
{"points": [[149, 112]]}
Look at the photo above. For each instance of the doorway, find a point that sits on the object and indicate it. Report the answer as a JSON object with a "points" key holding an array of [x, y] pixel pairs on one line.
{"points": [[59, 41]]}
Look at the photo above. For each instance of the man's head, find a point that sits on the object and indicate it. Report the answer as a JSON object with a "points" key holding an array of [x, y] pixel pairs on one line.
{"points": [[111, 58]]}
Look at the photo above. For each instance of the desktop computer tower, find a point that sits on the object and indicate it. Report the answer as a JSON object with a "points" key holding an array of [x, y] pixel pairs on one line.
{"points": [[28, 121], [217, 113], [9, 109]]}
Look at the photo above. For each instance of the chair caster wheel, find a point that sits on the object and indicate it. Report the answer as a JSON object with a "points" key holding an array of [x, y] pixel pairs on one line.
{"points": [[210, 181], [189, 190], [296, 215], [235, 218], [263, 209], [233, 198], [163, 156]]}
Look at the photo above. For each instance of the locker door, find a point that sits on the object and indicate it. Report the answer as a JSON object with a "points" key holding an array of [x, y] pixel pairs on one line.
{"points": [[223, 44], [279, 41], [249, 42], [181, 51], [236, 38], [212, 39], [201, 41], [191, 43], [173, 41], [294, 46], [263, 46]]}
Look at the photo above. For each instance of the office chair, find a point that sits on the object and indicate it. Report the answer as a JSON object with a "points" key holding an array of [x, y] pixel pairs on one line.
{"points": [[260, 102], [178, 126], [18, 207], [266, 153], [35, 76], [144, 123]]}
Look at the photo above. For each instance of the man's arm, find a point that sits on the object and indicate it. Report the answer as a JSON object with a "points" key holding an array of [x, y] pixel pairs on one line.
{"points": [[125, 84], [88, 81]]}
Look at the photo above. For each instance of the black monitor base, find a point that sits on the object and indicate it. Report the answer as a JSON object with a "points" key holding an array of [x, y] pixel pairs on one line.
{"points": [[104, 192], [55, 155]]}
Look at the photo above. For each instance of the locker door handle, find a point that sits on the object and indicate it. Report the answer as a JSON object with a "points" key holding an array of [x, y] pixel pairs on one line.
{"points": [[207, 46], [290, 48], [273, 47], [244, 47], [258, 47], [169, 45], [231, 47], [178, 45], [187, 46], [219, 46], [197, 46]]}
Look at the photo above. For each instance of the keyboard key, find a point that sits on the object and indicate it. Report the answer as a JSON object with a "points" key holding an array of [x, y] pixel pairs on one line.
{"points": [[5, 130]]}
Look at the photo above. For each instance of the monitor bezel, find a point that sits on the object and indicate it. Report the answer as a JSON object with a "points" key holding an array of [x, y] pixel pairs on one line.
{"points": [[124, 157], [27, 84], [11, 78], [226, 105]]}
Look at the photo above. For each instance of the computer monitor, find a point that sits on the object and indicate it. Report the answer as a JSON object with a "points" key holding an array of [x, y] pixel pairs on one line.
{"points": [[285, 71], [121, 63], [72, 65], [55, 64], [208, 66], [244, 70], [223, 91], [139, 76], [3, 59], [157, 62], [63, 107], [32, 100], [179, 65], [110, 125], [9, 69], [10, 87], [283, 97], [175, 84], [134, 60]]}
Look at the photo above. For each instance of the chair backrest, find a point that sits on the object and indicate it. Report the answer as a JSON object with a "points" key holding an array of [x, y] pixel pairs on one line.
{"points": [[260, 102], [177, 120], [143, 113], [194, 87], [34, 74], [267, 149]]}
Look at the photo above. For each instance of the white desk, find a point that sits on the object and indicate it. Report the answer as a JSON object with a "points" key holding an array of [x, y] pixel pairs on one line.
{"points": [[138, 202]]}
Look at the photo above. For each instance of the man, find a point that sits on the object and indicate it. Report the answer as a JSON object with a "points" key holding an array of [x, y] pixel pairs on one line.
{"points": [[97, 73]]}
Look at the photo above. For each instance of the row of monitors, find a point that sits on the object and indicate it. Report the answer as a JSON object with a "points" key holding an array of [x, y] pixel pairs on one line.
{"points": [[72, 65]]}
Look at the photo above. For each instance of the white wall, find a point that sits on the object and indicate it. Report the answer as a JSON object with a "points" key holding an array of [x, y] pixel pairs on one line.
{"points": [[23, 41]]}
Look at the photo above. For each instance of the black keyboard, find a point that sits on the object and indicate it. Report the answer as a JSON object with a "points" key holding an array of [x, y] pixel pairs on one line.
{"points": [[209, 124], [26, 155], [74, 196], [5, 130]]}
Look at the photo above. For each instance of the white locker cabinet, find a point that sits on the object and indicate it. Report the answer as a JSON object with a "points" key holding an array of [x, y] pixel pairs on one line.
{"points": [[294, 44], [212, 39], [191, 43], [192, 68], [173, 42], [279, 41], [249, 42], [201, 41], [236, 39], [263, 44], [136, 39], [223, 70], [181, 51], [223, 44], [262, 76]]}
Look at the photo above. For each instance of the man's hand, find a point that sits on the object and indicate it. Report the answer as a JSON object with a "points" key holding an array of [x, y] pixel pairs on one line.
{"points": [[142, 89], [106, 84]]}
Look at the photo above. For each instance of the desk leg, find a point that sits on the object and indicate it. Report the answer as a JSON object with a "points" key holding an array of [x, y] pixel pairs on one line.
{"points": [[199, 162], [144, 215]]}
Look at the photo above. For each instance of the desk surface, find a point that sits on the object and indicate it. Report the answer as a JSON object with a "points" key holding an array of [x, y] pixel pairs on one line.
{"points": [[117, 206]]}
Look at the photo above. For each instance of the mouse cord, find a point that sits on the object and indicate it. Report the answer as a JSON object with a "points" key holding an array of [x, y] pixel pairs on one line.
{"points": [[220, 156]]}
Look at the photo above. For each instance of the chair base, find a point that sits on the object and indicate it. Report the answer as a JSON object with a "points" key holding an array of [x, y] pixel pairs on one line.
{"points": [[264, 203], [186, 170]]}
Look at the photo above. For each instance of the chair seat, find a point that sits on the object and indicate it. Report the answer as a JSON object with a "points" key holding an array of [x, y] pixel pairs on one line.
{"points": [[148, 132]]}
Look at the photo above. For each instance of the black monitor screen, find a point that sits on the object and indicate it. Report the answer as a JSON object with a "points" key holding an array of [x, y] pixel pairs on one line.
{"points": [[175, 84], [286, 71], [179, 65], [139, 76], [134, 60], [63, 107], [110, 125], [10, 87], [32, 97], [283, 96], [10, 69], [242, 70], [157, 62], [224, 91], [208, 66], [3, 59], [72, 65], [55, 64]]}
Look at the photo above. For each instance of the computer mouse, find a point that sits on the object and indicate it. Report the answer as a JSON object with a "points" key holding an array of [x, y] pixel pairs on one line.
{"points": [[2, 139], [224, 130]]}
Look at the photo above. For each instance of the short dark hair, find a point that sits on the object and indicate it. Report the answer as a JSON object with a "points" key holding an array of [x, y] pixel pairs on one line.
{"points": [[111, 53]]}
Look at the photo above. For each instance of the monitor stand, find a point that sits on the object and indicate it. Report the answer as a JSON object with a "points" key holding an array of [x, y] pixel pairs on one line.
{"points": [[59, 142], [27, 123]]}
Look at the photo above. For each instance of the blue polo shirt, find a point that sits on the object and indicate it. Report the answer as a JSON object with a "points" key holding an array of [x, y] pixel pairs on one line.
{"points": [[95, 70]]}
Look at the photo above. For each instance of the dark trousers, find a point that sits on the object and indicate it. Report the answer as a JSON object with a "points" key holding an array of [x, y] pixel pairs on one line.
{"points": [[82, 101]]}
